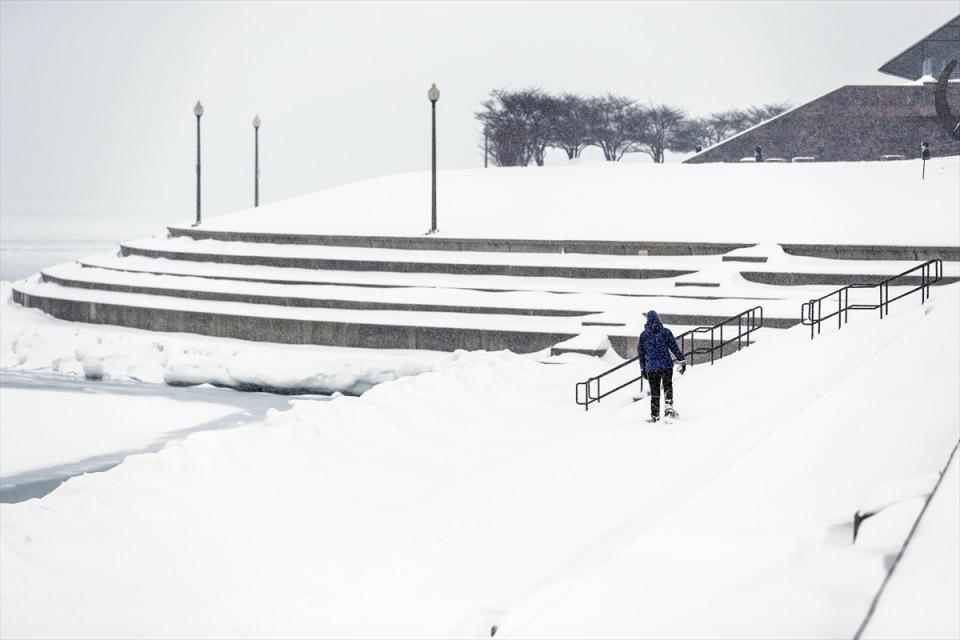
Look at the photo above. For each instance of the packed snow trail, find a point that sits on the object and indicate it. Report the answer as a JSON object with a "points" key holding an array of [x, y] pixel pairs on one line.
{"points": [[479, 494], [746, 553]]}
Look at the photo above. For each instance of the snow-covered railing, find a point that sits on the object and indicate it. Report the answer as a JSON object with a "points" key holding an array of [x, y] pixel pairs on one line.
{"points": [[746, 323], [811, 312]]}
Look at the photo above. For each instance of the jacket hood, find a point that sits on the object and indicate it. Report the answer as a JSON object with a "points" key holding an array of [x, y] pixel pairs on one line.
{"points": [[653, 321]]}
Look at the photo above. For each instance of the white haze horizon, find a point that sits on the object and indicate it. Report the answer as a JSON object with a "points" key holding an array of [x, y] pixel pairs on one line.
{"points": [[97, 135]]}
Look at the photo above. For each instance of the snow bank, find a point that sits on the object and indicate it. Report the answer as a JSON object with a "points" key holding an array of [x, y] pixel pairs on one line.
{"points": [[478, 494], [589, 340], [33, 341], [920, 600], [845, 203], [42, 428]]}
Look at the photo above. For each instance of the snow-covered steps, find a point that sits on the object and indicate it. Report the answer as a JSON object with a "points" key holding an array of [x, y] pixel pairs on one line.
{"points": [[375, 328], [298, 325], [353, 259], [428, 299], [779, 270], [658, 287], [789, 279], [595, 309], [209, 231], [312, 295]]}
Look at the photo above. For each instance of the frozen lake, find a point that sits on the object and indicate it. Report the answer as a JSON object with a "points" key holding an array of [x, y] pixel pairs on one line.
{"points": [[22, 257], [242, 408]]}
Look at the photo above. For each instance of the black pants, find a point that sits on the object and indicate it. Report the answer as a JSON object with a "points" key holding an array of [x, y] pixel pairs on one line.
{"points": [[654, 378]]}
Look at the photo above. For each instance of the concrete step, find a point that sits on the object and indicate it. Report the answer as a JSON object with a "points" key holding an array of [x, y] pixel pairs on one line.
{"points": [[289, 295], [268, 323], [386, 329], [496, 284], [605, 314], [302, 262], [440, 243], [609, 247], [744, 258], [785, 279]]}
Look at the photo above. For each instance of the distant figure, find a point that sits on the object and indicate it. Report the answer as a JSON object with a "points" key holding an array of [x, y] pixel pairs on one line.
{"points": [[758, 154], [654, 348]]}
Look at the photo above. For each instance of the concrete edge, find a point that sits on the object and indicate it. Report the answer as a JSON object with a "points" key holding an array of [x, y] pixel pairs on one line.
{"points": [[547, 271], [492, 245], [319, 303], [364, 305], [839, 279], [606, 247], [292, 331]]}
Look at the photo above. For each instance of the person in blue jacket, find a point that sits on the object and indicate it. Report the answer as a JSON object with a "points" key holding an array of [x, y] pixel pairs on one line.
{"points": [[653, 349]]}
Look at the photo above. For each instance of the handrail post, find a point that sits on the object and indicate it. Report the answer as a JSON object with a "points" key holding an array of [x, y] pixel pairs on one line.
{"points": [[839, 307]]}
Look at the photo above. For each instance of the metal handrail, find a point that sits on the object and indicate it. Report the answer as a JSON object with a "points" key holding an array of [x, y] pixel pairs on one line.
{"points": [[931, 272], [747, 322]]}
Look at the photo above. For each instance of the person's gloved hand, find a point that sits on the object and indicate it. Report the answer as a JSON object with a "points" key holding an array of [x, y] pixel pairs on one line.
{"points": [[683, 367]]}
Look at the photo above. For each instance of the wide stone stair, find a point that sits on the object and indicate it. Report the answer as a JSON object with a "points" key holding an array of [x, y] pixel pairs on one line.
{"points": [[440, 293]]}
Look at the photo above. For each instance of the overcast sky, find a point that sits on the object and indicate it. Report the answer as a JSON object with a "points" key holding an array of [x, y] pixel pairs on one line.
{"points": [[96, 99]]}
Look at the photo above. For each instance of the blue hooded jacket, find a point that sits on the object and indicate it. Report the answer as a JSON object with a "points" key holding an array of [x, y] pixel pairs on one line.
{"points": [[655, 344]]}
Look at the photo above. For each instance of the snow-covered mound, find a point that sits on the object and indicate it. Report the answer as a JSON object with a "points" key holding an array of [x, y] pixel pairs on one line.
{"points": [[31, 341], [881, 203], [478, 494]]}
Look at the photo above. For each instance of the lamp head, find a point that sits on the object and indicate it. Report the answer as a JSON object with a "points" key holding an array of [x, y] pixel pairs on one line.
{"points": [[256, 121], [198, 110], [433, 94]]}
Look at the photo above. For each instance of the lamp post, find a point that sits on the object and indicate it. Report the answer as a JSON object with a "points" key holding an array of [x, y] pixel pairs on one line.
{"points": [[433, 94], [198, 111], [486, 138], [256, 160], [925, 154]]}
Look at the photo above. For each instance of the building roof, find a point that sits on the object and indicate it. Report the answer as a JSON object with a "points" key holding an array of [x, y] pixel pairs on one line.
{"points": [[938, 48]]}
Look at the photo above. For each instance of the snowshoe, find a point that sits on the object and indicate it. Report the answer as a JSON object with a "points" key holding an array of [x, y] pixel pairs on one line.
{"points": [[653, 419], [670, 412]]}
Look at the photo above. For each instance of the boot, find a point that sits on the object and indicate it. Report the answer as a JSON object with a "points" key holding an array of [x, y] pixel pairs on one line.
{"points": [[669, 411]]}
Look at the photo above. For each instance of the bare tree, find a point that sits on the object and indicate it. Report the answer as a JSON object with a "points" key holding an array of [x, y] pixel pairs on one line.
{"points": [[518, 125], [521, 125], [570, 125], [611, 123], [660, 128]]}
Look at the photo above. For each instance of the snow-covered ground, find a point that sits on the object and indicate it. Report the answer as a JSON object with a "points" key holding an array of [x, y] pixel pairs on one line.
{"points": [[477, 494], [832, 203]]}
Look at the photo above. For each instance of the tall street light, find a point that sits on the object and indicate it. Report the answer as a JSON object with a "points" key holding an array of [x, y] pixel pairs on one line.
{"points": [[433, 94], [198, 111], [256, 160], [485, 141]]}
